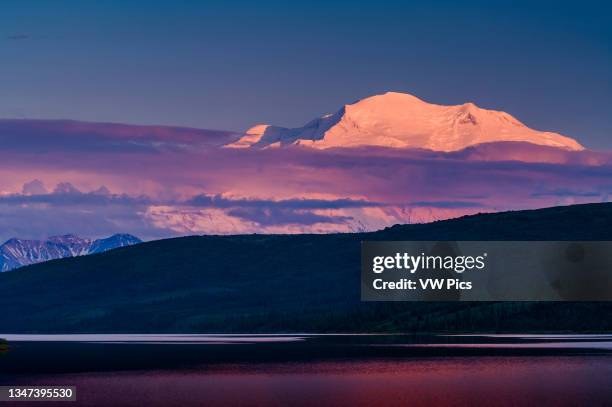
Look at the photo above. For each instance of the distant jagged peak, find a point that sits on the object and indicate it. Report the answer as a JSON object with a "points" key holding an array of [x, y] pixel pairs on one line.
{"points": [[15, 252], [66, 238], [401, 120]]}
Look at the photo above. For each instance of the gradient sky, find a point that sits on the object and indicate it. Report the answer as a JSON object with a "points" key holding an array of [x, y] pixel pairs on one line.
{"points": [[228, 65]]}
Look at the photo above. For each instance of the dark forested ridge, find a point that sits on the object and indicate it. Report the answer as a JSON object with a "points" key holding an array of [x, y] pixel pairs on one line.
{"points": [[283, 283]]}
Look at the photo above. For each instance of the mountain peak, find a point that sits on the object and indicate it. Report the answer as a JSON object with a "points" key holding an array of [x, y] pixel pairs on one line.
{"points": [[66, 237], [401, 120], [15, 253]]}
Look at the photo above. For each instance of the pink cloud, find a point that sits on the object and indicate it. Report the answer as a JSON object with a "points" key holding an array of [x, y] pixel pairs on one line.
{"points": [[163, 181]]}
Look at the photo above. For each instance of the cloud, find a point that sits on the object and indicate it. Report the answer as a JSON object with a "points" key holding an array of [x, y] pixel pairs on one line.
{"points": [[218, 201], [65, 194], [37, 222], [66, 136], [66, 188], [100, 211], [282, 216], [34, 187], [564, 192], [37, 213], [160, 181], [281, 212], [448, 204]]}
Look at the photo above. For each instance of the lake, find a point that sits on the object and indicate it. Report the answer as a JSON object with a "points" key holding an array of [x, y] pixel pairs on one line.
{"points": [[322, 370]]}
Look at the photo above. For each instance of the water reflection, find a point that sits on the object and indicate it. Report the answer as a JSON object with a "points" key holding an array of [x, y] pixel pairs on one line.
{"points": [[153, 339], [431, 381]]}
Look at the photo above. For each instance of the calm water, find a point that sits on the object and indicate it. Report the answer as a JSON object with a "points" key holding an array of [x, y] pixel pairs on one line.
{"points": [[281, 370]]}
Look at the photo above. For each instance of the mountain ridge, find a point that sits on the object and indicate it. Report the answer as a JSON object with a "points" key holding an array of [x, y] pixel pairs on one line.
{"points": [[401, 120], [285, 283], [16, 253]]}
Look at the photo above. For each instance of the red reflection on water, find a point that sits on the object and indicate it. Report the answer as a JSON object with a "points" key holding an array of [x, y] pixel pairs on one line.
{"points": [[580, 380]]}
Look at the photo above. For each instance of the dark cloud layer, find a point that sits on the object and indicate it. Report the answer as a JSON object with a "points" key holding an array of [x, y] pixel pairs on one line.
{"points": [[65, 195], [276, 216], [65, 136], [218, 201]]}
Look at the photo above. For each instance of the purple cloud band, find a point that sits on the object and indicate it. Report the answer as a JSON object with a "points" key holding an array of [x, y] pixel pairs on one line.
{"points": [[167, 181]]}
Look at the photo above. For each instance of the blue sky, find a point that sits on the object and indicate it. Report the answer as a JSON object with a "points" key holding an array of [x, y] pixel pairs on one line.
{"points": [[228, 65]]}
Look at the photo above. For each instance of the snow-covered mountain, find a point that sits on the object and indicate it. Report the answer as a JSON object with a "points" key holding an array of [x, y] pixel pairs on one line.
{"points": [[15, 253], [400, 120]]}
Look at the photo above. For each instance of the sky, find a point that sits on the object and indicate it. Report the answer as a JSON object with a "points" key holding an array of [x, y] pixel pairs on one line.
{"points": [[212, 69], [228, 65]]}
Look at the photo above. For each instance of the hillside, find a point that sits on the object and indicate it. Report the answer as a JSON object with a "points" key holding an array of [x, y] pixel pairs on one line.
{"points": [[279, 283]]}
